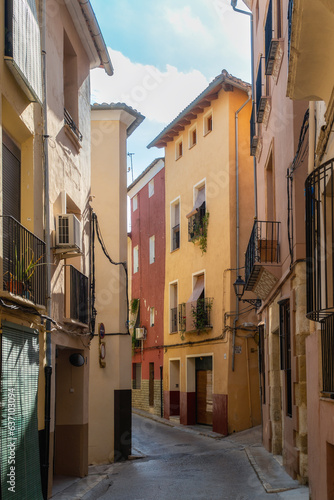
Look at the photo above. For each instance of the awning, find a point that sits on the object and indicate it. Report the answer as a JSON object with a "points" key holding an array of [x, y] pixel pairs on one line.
{"points": [[199, 201]]}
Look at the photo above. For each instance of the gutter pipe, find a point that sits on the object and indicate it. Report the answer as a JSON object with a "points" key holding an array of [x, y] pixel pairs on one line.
{"points": [[234, 3], [237, 219], [48, 366], [97, 37]]}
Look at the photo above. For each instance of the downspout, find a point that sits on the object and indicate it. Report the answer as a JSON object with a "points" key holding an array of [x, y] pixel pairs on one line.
{"points": [[48, 365], [234, 3], [312, 133], [237, 218]]}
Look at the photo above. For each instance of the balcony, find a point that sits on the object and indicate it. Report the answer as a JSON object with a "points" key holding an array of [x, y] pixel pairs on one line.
{"points": [[319, 190], [196, 223], [71, 125], [196, 316], [76, 296], [176, 237], [262, 101], [271, 43], [173, 320], [262, 258], [254, 139], [24, 273], [310, 50]]}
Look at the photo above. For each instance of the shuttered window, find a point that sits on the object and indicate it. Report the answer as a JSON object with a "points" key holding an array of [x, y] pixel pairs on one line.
{"points": [[19, 460], [23, 46]]}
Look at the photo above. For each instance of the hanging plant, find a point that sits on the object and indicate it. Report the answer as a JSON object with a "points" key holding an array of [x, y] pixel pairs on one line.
{"points": [[200, 232]]}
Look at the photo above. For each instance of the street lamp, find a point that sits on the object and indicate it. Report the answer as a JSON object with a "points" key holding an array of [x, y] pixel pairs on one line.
{"points": [[239, 288]]}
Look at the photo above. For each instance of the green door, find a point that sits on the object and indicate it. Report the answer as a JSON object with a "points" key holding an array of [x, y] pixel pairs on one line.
{"points": [[19, 461]]}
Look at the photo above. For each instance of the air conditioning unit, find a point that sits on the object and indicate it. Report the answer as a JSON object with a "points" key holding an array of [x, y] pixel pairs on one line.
{"points": [[68, 233], [140, 333]]}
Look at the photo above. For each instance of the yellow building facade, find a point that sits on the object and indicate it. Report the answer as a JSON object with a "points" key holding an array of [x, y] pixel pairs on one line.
{"points": [[210, 358]]}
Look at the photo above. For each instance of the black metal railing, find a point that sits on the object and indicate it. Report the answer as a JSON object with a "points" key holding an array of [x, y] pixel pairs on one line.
{"points": [[290, 10], [78, 296], [196, 316], [182, 317], [68, 120], [24, 271], [176, 237], [195, 223], [268, 32], [263, 246], [327, 350], [253, 137], [173, 320], [319, 194]]}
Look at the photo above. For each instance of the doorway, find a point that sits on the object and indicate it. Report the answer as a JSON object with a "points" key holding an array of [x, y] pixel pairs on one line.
{"points": [[204, 405]]}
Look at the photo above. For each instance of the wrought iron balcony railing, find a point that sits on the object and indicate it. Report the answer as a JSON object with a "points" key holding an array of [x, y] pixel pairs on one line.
{"points": [[24, 272], [196, 316], [327, 349], [76, 295], [195, 223], [254, 139], [263, 248], [176, 237], [319, 191], [271, 43], [290, 10], [68, 120], [173, 320]]}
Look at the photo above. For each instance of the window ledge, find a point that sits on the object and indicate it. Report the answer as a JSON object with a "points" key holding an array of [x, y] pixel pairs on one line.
{"points": [[328, 399], [192, 146], [175, 250], [73, 138], [70, 321], [178, 158], [207, 133]]}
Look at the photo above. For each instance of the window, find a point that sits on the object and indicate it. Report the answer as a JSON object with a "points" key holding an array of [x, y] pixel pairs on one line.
{"points": [[178, 149], [136, 375], [207, 123], [285, 352], [71, 88], [327, 349], [175, 225], [198, 307], [152, 249], [151, 188], [173, 299], [135, 260], [197, 214], [192, 137], [134, 203], [152, 316]]}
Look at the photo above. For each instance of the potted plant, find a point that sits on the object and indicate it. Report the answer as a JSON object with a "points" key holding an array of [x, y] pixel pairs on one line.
{"points": [[22, 271]]}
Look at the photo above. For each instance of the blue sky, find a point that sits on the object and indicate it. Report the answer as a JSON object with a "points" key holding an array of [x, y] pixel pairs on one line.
{"points": [[164, 54]]}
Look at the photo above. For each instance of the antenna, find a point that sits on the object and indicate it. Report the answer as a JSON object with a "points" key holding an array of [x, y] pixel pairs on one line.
{"points": [[131, 168]]}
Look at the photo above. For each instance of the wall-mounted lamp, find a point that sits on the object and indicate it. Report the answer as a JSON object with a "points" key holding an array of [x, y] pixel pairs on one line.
{"points": [[239, 288], [77, 359]]}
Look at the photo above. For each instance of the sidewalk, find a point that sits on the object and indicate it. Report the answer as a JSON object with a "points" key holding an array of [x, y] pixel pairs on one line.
{"points": [[267, 467]]}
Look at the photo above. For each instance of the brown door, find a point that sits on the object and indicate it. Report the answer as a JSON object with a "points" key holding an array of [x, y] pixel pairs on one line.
{"points": [[204, 396], [151, 385]]}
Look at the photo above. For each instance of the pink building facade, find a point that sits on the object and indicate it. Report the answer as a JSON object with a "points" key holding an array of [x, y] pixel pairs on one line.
{"points": [[147, 195]]}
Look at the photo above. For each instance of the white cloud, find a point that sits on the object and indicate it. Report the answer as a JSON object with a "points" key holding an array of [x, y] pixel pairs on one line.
{"points": [[186, 24], [158, 95]]}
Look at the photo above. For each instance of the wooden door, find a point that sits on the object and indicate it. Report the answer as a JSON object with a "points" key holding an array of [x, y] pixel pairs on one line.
{"points": [[204, 396]]}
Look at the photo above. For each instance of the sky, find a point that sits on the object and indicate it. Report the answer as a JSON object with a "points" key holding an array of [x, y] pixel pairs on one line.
{"points": [[164, 54]]}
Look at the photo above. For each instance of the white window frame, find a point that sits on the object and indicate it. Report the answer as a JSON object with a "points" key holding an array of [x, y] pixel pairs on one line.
{"points": [[135, 259], [134, 203], [191, 143], [197, 187], [151, 188], [177, 148], [176, 201], [206, 117], [152, 249]]}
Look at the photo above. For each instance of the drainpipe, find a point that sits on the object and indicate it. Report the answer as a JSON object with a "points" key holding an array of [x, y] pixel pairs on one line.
{"points": [[48, 366], [312, 133], [237, 216], [234, 3]]}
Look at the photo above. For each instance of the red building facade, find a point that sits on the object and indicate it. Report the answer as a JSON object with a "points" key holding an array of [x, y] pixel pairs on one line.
{"points": [[147, 195]]}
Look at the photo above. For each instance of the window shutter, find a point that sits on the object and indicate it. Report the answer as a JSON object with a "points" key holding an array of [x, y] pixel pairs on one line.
{"points": [[19, 426]]}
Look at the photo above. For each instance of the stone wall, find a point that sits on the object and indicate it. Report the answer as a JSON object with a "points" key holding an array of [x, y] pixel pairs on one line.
{"points": [[140, 397]]}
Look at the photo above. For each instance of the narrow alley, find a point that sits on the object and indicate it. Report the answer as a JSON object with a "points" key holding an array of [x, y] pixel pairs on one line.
{"points": [[180, 463]]}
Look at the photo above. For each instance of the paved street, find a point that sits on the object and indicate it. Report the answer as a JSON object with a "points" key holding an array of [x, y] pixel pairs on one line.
{"points": [[181, 464]]}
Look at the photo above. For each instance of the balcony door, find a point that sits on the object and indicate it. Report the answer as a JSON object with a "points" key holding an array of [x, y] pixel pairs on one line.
{"points": [[11, 178]]}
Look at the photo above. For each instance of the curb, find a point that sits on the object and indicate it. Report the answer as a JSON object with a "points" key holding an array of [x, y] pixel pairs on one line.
{"points": [[98, 490]]}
